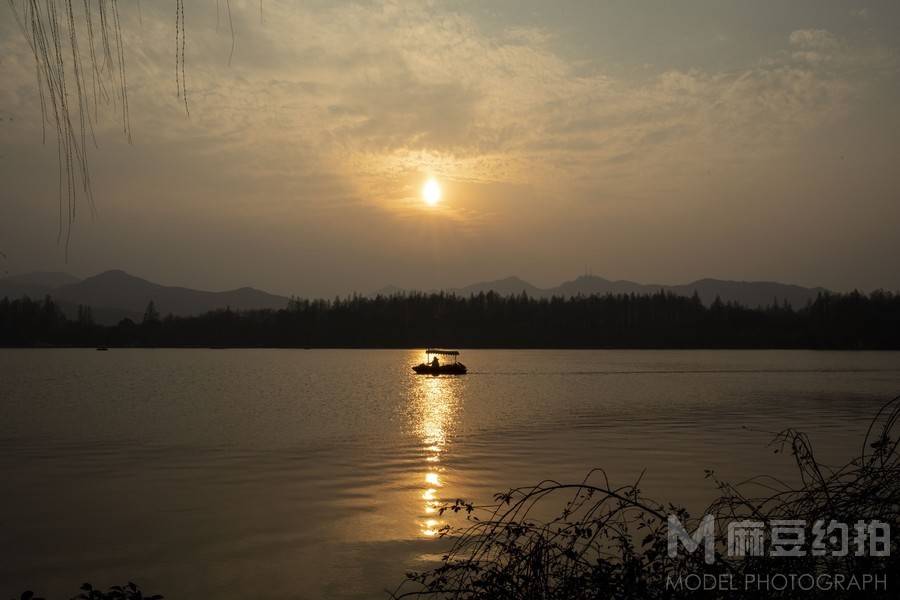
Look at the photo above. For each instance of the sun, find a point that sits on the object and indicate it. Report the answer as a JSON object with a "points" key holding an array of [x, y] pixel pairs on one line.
{"points": [[431, 192]]}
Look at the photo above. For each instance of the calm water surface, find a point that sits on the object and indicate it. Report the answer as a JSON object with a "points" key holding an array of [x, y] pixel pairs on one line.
{"points": [[311, 474]]}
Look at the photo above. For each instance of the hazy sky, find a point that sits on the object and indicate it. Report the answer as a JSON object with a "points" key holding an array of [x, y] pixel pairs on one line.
{"points": [[654, 141]]}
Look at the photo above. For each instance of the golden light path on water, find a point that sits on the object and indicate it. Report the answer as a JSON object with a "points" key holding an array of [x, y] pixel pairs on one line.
{"points": [[437, 404]]}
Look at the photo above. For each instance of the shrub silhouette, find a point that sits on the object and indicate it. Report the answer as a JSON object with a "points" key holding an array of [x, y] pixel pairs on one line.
{"points": [[129, 591], [612, 542], [609, 542]]}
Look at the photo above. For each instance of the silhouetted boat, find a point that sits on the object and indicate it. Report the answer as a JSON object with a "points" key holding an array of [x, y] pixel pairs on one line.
{"points": [[102, 349], [433, 366]]}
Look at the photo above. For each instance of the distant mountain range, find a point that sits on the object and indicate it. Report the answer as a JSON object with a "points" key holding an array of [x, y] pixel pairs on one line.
{"points": [[114, 295], [34, 285], [747, 293]]}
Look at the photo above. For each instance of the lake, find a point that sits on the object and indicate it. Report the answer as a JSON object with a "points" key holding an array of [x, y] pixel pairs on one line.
{"points": [[315, 473]]}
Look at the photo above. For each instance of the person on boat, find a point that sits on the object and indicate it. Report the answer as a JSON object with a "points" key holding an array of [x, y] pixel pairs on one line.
{"points": [[435, 363]]}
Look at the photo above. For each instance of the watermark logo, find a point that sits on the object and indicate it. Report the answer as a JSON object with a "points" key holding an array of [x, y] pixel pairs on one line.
{"points": [[782, 538], [705, 534]]}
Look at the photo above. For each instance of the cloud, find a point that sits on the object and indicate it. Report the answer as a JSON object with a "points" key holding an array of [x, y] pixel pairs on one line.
{"points": [[812, 38], [379, 92], [329, 106], [813, 45]]}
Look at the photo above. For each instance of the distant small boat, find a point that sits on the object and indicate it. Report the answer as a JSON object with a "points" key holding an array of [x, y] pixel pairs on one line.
{"points": [[101, 349], [433, 365]]}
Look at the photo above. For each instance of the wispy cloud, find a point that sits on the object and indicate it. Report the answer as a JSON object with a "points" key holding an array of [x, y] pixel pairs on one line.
{"points": [[334, 105]]}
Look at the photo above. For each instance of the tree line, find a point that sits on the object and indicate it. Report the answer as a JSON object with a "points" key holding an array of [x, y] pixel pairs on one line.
{"points": [[486, 320]]}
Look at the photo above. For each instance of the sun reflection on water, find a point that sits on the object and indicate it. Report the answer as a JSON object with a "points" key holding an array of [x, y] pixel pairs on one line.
{"points": [[436, 406]]}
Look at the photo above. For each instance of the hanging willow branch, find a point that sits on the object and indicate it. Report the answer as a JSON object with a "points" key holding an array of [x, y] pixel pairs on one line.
{"points": [[180, 84], [72, 42], [69, 46], [52, 32], [231, 29]]}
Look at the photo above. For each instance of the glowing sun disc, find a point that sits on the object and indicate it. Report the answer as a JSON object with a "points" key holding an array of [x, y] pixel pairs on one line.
{"points": [[431, 192]]}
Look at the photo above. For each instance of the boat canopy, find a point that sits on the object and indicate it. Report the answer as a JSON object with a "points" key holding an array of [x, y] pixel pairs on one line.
{"points": [[444, 352]]}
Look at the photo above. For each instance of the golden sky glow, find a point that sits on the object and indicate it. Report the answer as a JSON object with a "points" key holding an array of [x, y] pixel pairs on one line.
{"points": [[559, 134]]}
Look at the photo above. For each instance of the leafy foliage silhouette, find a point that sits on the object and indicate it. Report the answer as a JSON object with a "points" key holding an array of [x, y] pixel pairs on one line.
{"points": [[129, 591], [611, 542]]}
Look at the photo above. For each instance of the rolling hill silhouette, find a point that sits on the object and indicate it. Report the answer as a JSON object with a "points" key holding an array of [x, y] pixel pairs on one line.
{"points": [[114, 295], [746, 293], [34, 285], [120, 290]]}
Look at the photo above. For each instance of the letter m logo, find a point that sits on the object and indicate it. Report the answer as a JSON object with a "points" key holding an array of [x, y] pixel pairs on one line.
{"points": [[705, 534]]}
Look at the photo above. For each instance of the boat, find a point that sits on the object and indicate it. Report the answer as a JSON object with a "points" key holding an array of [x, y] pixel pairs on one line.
{"points": [[102, 349], [433, 365]]}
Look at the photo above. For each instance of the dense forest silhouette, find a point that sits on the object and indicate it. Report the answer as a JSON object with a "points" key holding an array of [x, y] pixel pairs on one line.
{"points": [[486, 320]]}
